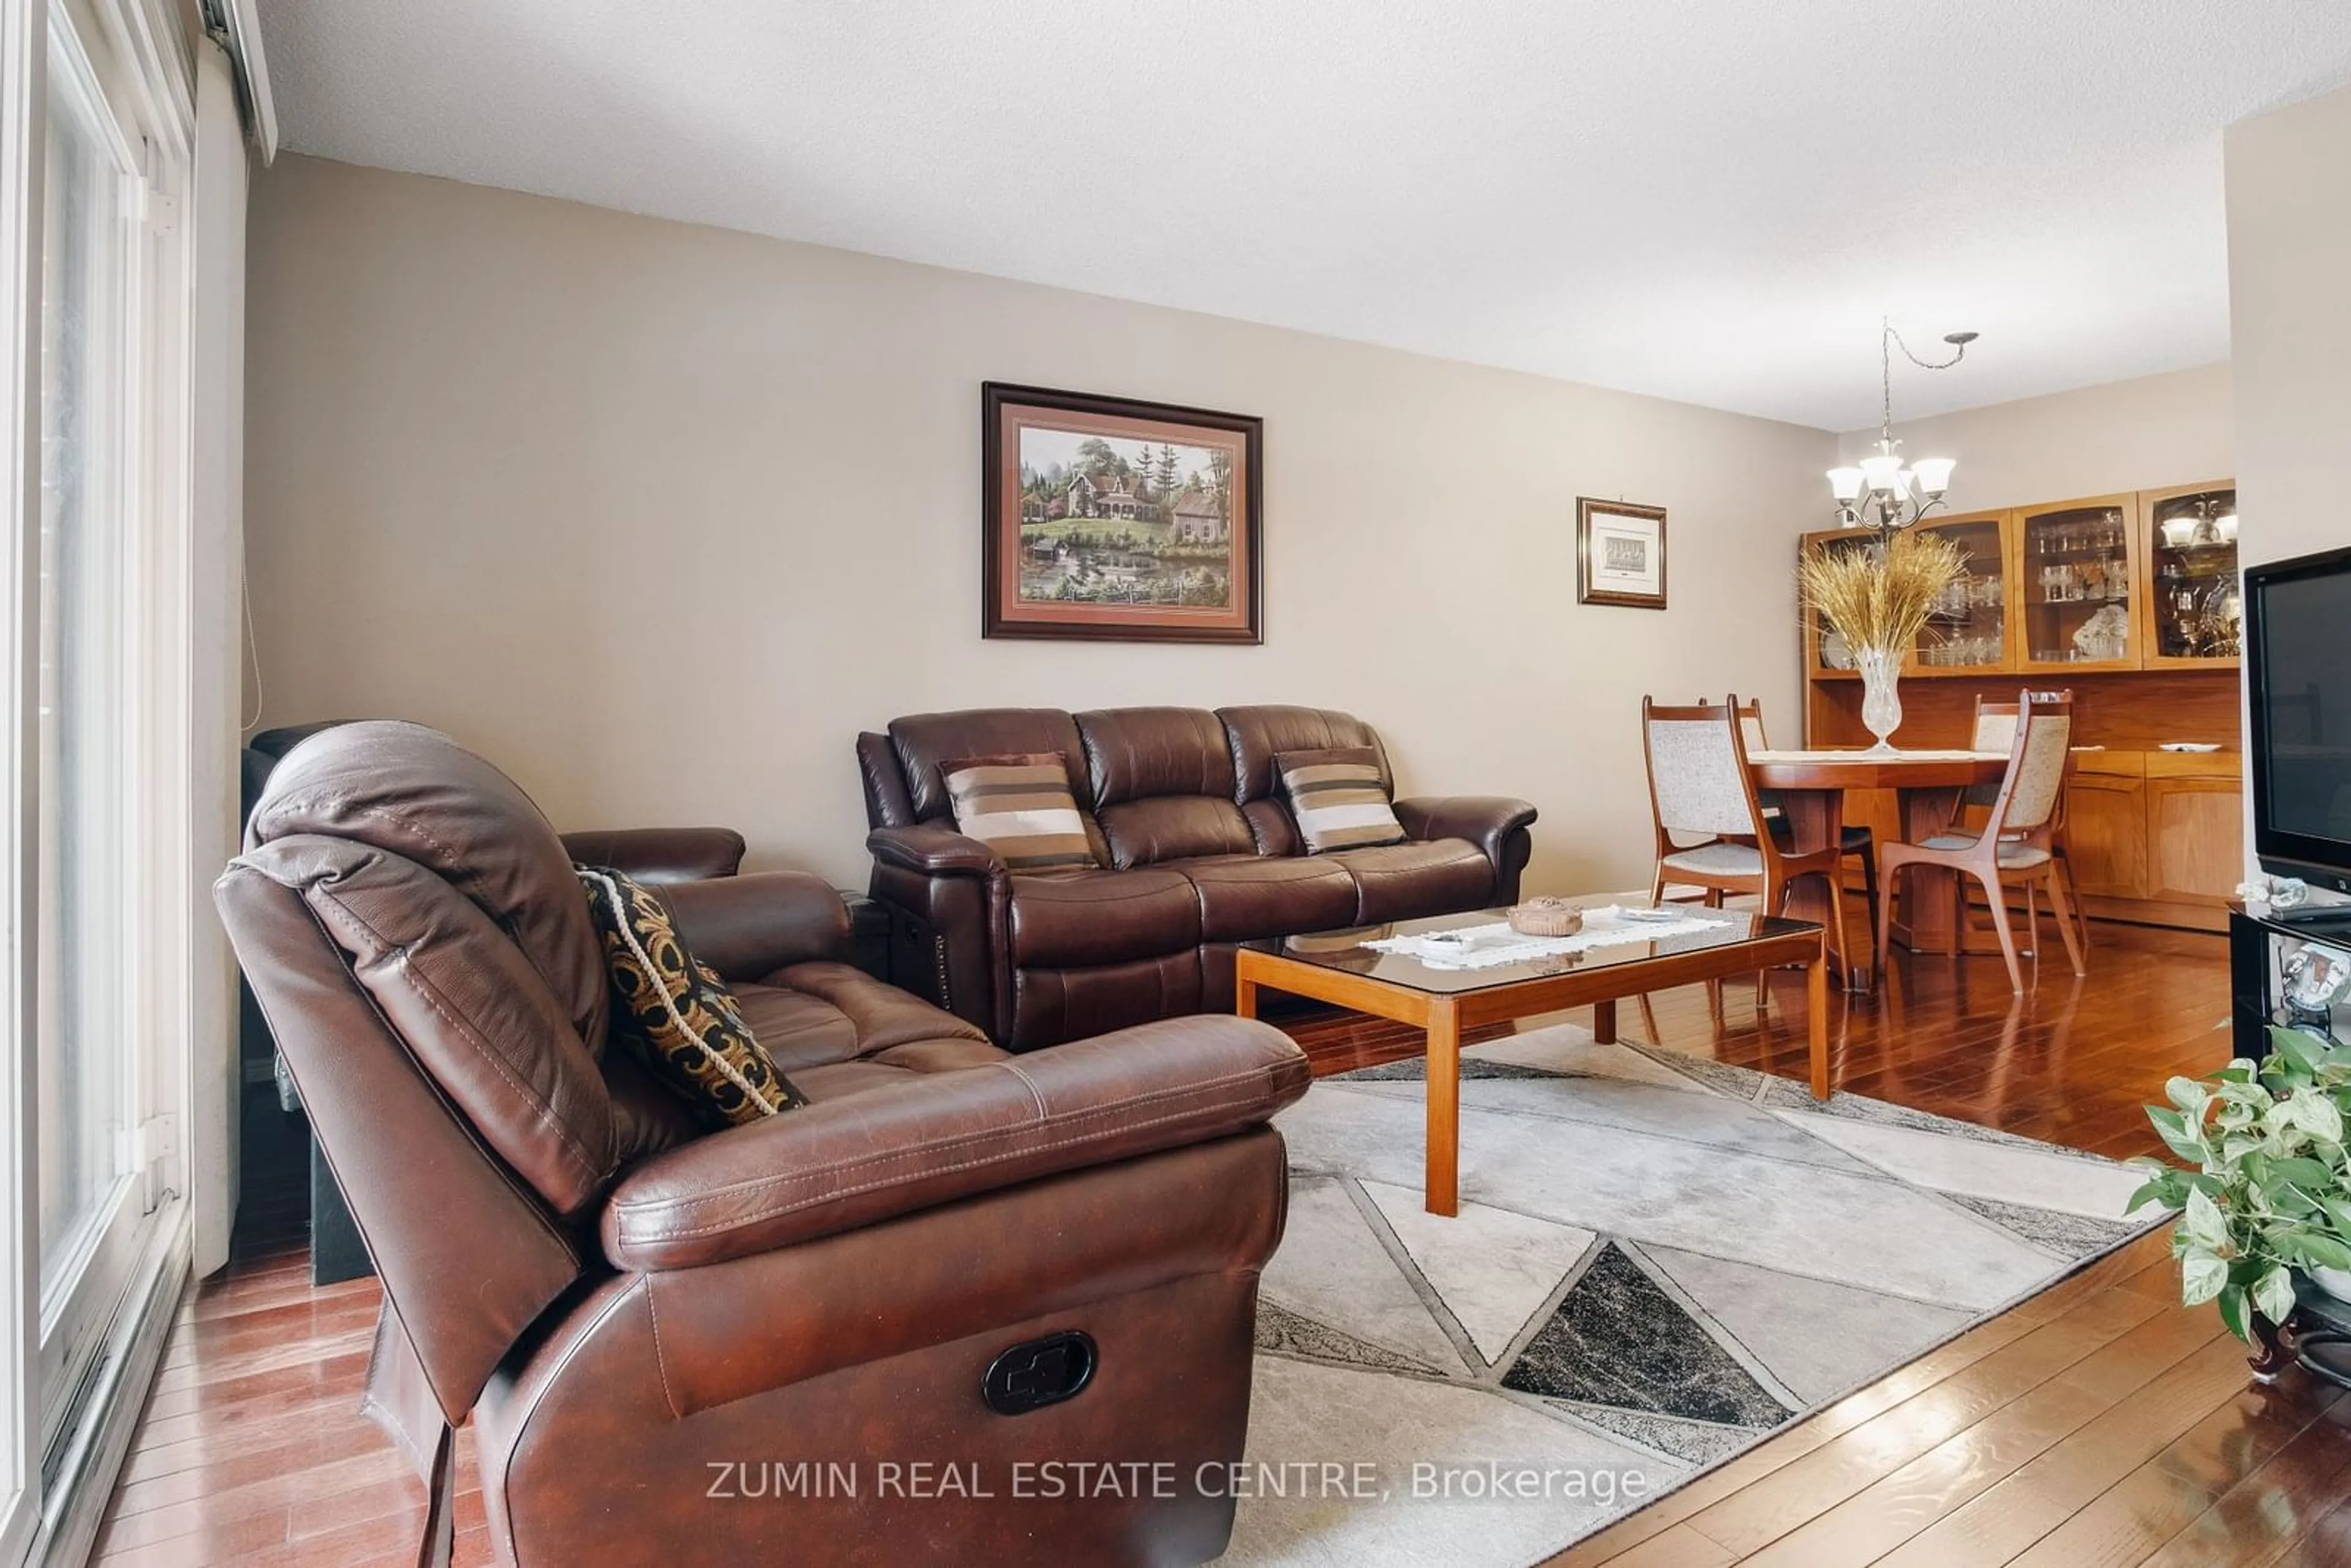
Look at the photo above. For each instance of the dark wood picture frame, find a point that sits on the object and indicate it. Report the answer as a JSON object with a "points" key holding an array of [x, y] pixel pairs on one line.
{"points": [[1235, 519], [1590, 575]]}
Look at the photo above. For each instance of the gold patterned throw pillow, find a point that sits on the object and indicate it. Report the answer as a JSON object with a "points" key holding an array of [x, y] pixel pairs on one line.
{"points": [[1337, 800], [1022, 808], [676, 1012]]}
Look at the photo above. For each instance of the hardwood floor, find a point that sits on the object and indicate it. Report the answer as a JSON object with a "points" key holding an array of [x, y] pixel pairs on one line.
{"points": [[2098, 1423]]}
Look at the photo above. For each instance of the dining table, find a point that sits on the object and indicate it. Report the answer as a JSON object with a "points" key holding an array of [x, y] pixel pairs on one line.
{"points": [[1929, 784]]}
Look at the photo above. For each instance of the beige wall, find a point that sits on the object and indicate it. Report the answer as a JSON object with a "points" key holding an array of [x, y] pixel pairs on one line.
{"points": [[2140, 435], [658, 517], [2289, 177]]}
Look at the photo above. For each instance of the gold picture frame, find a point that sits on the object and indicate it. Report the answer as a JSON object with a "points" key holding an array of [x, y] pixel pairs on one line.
{"points": [[1620, 554]]}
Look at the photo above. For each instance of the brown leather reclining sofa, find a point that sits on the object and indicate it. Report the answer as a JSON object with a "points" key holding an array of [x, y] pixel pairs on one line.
{"points": [[651, 1324], [1197, 855]]}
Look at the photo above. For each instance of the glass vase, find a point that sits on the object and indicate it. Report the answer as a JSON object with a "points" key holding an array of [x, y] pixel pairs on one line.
{"points": [[1881, 702]]}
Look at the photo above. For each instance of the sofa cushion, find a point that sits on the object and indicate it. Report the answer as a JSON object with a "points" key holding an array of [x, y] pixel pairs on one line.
{"points": [[1338, 798], [1174, 826], [796, 1029], [882, 1015], [1080, 918], [1136, 753], [1020, 806], [676, 1012], [924, 740], [1163, 784], [1245, 897], [1256, 735], [1407, 881]]}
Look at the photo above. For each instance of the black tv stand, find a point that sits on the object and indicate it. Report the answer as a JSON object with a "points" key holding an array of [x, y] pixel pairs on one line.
{"points": [[2252, 1008], [2305, 921]]}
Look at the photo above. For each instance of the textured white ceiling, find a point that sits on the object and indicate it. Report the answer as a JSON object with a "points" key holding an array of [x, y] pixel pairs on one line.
{"points": [[1711, 200]]}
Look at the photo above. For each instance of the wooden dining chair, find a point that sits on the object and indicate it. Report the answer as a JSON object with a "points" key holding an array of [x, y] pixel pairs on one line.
{"points": [[1995, 730], [1701, 790], [1855, 838], [2013, 848]]}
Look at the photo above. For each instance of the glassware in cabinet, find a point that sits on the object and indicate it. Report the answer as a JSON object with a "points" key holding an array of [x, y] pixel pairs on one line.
{"points": [[1969, 631], [2195, 610], [2076, 575]]}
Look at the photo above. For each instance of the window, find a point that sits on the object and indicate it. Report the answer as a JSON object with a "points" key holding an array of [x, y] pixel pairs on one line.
{"points": [[95, 891], [85, 1072]]}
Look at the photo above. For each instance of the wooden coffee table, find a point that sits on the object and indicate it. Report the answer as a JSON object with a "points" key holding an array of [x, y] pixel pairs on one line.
{"points": [[1334, 967]]}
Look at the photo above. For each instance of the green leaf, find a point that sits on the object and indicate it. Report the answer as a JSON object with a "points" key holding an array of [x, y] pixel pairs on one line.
{"points": [[2232, 1313], [2290, 1200], [2202, 1278], [2321, 1250], [2172, 1128], [2316, 1175], [2294, 1046], [2203, 1223], [2274, 1295], [2188, 1095], [2315, 1114]]}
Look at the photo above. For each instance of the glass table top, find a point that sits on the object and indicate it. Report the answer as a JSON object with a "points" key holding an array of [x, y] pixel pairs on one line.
{"points": [[1346, 950]]}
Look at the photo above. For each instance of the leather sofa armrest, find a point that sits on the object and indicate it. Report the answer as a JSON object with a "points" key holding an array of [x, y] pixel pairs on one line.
{"points": [[747, 927], [841, 1163], [659, 855], [1496, 824], [933, 852], [1484, 820]]}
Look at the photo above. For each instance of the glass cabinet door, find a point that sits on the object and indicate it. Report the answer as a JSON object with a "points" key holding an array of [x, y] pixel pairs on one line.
{"points": [[1969, 631], [2195, 610], [2075, 578]]}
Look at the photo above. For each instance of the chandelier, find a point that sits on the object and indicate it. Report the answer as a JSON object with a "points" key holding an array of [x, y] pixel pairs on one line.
{"points": [[1883, 493]]}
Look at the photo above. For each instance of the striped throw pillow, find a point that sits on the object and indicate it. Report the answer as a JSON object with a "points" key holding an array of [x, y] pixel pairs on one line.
{"points": [[1022, 808], [1338, 798]]}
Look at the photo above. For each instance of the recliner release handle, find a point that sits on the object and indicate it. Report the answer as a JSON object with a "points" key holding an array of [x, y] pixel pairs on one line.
{"points": [[1040, 1372]]}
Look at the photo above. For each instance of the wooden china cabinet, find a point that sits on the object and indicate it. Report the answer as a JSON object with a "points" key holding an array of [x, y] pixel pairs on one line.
{"points": [[2131, 603]]}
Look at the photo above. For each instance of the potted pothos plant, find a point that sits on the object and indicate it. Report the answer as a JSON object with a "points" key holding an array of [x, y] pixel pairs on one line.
{"points": [[2269, 1194]]}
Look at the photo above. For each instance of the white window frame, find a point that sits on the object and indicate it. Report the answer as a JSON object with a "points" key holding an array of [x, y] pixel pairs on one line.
{"points": [[24, 34], [103, 1337]]}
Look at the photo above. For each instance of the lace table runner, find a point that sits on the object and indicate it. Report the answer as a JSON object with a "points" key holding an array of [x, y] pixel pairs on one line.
{"points": [[1490, 947]]}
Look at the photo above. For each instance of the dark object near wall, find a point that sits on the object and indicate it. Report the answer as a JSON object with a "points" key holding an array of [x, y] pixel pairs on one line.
{"points": [[533, 1199], [1197, 853]]}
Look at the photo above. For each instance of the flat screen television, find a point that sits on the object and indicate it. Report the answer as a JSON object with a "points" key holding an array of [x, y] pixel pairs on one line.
{"points": [[2298, 683]]}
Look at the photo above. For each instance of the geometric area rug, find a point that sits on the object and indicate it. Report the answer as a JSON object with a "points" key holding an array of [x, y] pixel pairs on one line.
{"points": [[1659, 1260]]}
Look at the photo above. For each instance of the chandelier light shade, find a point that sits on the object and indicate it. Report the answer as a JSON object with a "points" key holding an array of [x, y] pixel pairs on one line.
{"points": [[1882, 492]]}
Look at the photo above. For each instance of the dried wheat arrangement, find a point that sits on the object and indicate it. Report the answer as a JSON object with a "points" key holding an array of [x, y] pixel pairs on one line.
{"points": [[1881, 599]]}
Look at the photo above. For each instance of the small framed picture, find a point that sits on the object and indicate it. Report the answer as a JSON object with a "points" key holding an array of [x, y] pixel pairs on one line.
{"points": [[1106, 517], [1620, 554]]}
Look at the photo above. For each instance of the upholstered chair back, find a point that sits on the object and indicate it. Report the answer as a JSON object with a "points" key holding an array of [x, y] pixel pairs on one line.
{"points": [[2036, 766], [1697, 770]]}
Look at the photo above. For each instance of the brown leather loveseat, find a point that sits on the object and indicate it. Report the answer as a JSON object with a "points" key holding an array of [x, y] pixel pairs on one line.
{"points": [[664, 1334], [1197, 855]]}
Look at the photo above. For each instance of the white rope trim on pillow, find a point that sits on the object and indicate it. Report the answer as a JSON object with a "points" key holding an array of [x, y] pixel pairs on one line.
{"points": [[669, 999]]}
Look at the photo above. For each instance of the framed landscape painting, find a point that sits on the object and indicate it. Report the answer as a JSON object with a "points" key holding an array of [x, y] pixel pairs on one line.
{"points": [[1119, 520], [1620, 554]]}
